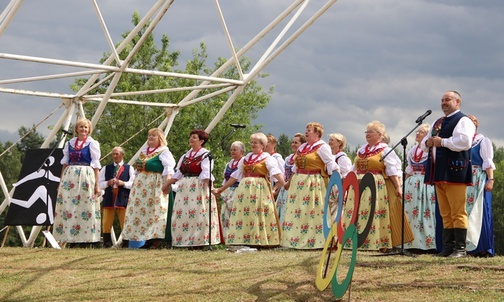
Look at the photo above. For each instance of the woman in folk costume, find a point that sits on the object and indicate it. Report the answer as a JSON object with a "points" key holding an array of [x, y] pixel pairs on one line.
{"points": [[480, 237], [420, 198], [254, 220], [271, 149], [304, 210], [337, 142], [77, 216], [281, 200], [237, 153], [146, 213], [386, 229], [193, 201]]}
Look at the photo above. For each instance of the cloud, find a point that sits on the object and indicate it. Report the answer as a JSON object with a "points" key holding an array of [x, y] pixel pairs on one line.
{"points": [[361, 61]]}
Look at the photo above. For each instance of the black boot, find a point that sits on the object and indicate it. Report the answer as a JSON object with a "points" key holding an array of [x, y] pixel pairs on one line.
{"points": [[107, 240], [460, 244], [125, 244], [448, 243]]}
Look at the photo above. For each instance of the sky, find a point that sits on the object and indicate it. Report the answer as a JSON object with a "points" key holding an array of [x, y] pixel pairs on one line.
{"points": [[363, 60]]}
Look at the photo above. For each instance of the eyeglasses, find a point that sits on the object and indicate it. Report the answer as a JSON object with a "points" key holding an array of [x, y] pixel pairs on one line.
{"points": [[370, 132]]}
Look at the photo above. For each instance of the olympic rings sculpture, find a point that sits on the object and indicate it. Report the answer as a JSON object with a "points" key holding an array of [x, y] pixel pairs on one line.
{"points": [[335, 234]]}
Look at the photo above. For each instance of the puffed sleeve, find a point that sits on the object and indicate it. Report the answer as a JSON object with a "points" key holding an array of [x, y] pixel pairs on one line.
{"points": [[206, 169], [178, 174], [272, 165], [64, 160], [462, 136], [486, 153], [327, 157], [168, 162], [345, 165], [392, 163], [94, 147], [409, 169], [238, 174]]}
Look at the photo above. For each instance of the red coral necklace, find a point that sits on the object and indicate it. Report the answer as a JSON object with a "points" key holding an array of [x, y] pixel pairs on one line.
{"points": [[252, 160], [78, 146], [417, 157], [149, 151]]}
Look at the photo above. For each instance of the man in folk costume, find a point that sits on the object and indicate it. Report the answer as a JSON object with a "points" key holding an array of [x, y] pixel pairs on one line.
{"points": [[450, 170], [116, 179]]}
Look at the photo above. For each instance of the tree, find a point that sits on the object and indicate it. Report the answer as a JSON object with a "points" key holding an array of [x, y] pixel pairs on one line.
{"points": [[31, 141], [498, 200], [10, 166], [284, 145], [120, 123]]}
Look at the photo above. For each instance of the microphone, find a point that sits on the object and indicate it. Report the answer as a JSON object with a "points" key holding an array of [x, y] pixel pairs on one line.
{"points": [[66, 132], [423, 116], [238, 125]]}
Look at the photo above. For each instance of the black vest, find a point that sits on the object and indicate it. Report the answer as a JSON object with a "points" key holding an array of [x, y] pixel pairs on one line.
{"points": [[123, 193], [450, 166]]}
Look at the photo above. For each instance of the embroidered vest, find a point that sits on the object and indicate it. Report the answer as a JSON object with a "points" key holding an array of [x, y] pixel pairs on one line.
{"points": [[80, 157], [450, 166], [123, 193]]}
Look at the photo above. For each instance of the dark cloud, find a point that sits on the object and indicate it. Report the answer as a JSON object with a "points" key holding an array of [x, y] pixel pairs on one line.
{"points": [[362, 60]]}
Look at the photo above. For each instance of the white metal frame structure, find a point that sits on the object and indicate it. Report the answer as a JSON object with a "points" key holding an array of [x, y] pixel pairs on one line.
{"points": [[113, 68]]}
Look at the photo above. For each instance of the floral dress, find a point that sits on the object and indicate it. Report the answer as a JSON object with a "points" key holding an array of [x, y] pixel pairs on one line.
{"points": [[420, 202], [146, 213], [193, 210], [385, 231], [302, 227], [77, 215], [254, 220], [228, 195]]}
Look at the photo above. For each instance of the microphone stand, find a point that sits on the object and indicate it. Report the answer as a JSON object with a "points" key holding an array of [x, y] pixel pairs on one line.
{"points": [[226, 137], [404, 143]]}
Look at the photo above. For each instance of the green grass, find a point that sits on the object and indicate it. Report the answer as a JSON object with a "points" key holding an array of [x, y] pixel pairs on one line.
{"points": [[44, 274]]}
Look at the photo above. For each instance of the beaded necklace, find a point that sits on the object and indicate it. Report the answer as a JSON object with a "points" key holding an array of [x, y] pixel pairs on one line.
{"points": [[78, 146], [417, 157], [234, 164], [149, 151], [252, 160]]}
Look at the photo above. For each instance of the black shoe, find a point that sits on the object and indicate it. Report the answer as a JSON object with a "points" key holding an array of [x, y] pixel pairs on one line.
{"points": [[107, 240], [458, 254], [448, 243], [147, 245], [460, 244]]}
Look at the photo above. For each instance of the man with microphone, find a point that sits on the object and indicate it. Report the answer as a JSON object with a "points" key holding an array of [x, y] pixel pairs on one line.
{"points": [[450, 170]]}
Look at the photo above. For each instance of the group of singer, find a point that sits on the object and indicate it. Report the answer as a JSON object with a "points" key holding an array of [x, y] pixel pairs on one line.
{"points": [[268, 201]]}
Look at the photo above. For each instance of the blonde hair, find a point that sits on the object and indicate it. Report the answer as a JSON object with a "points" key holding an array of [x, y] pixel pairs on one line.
{"points": [[474, 120], [261, 137], [425, 127], [160, 135], [340, 138], [317, 127], [377, 126], [83, 121]]}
